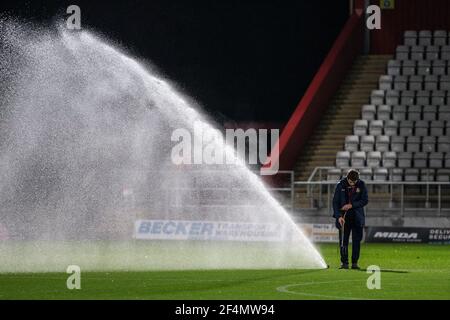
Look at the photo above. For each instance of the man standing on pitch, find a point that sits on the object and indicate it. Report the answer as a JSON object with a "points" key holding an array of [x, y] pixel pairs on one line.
{"points": [[349, 200]]}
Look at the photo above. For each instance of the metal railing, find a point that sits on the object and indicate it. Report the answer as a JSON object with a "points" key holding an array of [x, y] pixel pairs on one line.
{"points": [[316, 181]]}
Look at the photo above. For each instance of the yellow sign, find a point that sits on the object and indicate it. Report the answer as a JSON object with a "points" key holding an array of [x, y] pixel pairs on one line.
{"points": [[387, 4]]}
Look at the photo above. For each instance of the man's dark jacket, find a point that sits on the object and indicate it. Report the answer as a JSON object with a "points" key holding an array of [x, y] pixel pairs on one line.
{"points": [[358, 200]]}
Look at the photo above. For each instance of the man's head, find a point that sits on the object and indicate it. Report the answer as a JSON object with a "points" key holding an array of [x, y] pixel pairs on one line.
{"points": [[352, 177]]}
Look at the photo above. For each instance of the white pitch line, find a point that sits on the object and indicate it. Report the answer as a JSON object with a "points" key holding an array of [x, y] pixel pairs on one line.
{"points": [[285, 289]]}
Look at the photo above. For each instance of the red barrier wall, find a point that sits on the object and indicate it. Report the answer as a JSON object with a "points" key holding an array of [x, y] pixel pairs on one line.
{"points": [[325, 83], [408, 15]]}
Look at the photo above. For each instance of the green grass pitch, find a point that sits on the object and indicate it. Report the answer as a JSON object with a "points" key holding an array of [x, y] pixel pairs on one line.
{"points": [[409, 271]]}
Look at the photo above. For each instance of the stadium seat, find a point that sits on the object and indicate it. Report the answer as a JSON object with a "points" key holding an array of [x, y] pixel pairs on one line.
{"points": [[396, 174], [445, 52], [342, 159], [402, 52], [376, 127], [382, 143], [392, 97], [358, 159], [386, 82], [422, 98], [410, 38], [398, 143], [411, 174], [404, 159], [399, 113], [367, 143], [444, 143], [406, 128], [436, 159], [437, 128], [440, 37], [430, 113], [429, 144], [421, 128], [413, 143], [431, 83], [389, 159], [420, 160], [380, 174], [366, 174], [409, 66], [373, 159], [352, 143], [384, 112], [414, 113], [377, 97], [424, 67], [368, 112], [443, 175], [360, 127], [390, 128], [432, 52], [427, 175], [394, 67], [400, 82], [425, 37], [416, 83], [334, 174]]}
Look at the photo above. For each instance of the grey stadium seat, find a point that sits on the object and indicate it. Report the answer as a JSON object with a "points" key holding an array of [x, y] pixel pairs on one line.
{"points": [[404, 159], [438, 97], [423, 98], [420, 160], [386, 82], [444, 143], [380, 174], [417, 52], [394, 67], [421, 128], [431, 83], [377, 97], [429, 144], [413, 144], [425, 37], [366, 174], [334, 174], [382, 143], [400, 83], [430, 113], [399, 113], [408, 97], [409, 67], [443, 175], [437, 128], [444, 83], [342, 159], [445, 52], [384, 112], [440, 37], [436, 160], [402, 52], [406, 128], [392, 97], [415, 113], [411, 174], [367, 143], [416, 83], [439, 67], [398, 143], [376, 127], [396, 174], [374, 159], [447, 160], [427, 174], [432, 53], [358, 159], [352, 143], [444, 113], [423, 67], [368, 112], [360, 127], [389, 159]]}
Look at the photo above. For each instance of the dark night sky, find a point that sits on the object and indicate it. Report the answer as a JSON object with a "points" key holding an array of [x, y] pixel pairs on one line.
{"points": [[242, 60]]}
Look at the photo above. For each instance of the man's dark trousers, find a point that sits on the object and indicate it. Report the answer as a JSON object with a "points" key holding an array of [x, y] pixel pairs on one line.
{"points": [[357, 234]]}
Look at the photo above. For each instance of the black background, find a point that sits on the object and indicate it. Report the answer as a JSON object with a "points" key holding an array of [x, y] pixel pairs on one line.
{"points": [[241, 60]]}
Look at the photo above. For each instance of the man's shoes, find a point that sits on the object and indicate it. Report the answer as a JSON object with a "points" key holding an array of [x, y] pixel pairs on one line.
{"points": [[344, 266], [355, 266]]}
